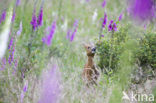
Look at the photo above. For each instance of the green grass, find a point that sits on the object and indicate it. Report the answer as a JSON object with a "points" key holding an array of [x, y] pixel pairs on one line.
{"points": [[69, 56]]}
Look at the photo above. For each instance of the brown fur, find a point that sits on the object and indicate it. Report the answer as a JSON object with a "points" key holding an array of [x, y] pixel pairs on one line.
{"points": [[90, 73]]}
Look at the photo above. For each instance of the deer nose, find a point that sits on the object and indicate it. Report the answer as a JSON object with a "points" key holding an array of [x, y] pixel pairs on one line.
{"points": [[94, 49]]}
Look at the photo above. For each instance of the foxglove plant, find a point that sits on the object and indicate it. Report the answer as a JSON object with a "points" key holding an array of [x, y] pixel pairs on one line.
{"points": [[48, 38], [68, 34], [11, 51], [112, 26], [142, 9], [34, 20], [120, 17], [10, 44], [3, 64], [13, 17], [51, 86], [3, 16], [87, 0], [20, 29], [104, 21], [103, 3], [102, 35], [18, 2], [25, 88], [71, 35], [40, 17]]}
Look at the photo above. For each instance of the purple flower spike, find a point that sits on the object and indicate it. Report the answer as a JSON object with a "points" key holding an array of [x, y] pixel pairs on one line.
{"points": [[112, 26], [13, 17], [3, 16], [87, 0], [11, 56], [120, 17], [142, 9], [40, 17], [75, 30], [145, 26], [18, 2], [104, 20], [48, 38], [68, 34], [102, 35], [51, 86], [22, 97], [103, 3], [10, 44], [34, 21], [73, 35], [115, 27], [20, 29], [75, 23], [25, 87], [11, 51], [3, 64]]}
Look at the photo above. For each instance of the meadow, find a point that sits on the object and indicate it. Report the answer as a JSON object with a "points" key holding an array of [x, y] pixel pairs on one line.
{"points": [[44, 56]]}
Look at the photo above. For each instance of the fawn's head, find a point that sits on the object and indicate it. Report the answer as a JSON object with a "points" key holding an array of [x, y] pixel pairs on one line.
{"points": [[90, 49]]}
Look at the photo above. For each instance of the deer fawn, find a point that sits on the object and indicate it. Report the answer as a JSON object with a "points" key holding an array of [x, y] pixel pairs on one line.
{"points": [[90, 72]]}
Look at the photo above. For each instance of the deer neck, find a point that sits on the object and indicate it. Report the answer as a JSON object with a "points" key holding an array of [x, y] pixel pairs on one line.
{"points": [[90, 61]]}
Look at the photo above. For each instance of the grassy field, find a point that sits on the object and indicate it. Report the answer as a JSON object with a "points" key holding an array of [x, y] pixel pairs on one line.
{"points": [[39, 73]]}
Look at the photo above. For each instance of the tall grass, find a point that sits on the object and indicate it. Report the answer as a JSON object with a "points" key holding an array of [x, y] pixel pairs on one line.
{"points": [[22, 81]]}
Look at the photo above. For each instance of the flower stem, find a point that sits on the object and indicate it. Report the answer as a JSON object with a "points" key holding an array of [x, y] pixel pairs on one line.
{"points": [[111, 49]]}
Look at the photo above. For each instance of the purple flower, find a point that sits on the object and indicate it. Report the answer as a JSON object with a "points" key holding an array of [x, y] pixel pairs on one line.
{"points": [[145, 26], [104, 20], [11, 51], [70, 34], [11, 43], [40, 17], [34, 21], [75, 23], [142, 9], [51, 86], [73, 35], [18, 2], [115, 27], [48, 38], [3, 64], [20, 29], [103, 3], [112, 26], [25, 88], [102, 35], [13, 17], [22, 97], [87, 0], [3, 16], [120, 17]]}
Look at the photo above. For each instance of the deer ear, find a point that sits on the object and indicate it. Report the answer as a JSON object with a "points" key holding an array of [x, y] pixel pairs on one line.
{"points": [[85, 45], [92, 44]]}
